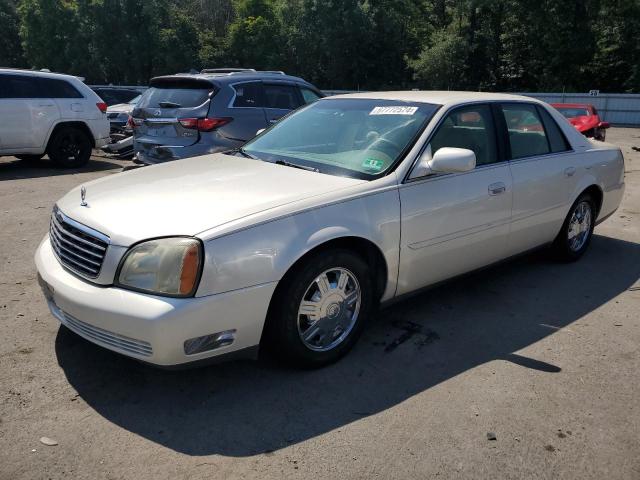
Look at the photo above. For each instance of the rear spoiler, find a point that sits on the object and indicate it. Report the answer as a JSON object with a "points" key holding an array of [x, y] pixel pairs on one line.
{"points": [[177, 81]]}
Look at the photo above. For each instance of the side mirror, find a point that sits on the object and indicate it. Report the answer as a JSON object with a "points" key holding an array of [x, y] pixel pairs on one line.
{"points": [[604, 125], [260, 131], [453, 160], [445, 160]]}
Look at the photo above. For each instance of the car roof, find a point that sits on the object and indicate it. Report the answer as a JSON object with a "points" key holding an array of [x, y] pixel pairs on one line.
{"points": [[39, 73], [437, 97], [235, 77]]}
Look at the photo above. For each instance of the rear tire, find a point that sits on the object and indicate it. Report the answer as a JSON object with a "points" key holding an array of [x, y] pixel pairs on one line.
{"points": [[335, 286], [577, 230], [70, 147], [30, 158]]}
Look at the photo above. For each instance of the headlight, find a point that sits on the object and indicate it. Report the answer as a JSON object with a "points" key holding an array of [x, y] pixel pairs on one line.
{"points": [[166, 266]]}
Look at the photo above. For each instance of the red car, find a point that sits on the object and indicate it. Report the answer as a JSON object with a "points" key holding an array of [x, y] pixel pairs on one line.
{"points": [[585, 118]]}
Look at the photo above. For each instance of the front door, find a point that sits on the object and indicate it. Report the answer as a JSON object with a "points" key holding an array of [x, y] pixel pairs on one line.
{"points": [[453, 223], [280, 98], [26, 118]]}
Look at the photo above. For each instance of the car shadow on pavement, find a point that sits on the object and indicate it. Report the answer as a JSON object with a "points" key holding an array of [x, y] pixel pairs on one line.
{"points": [[16, 169], [248, 408]]}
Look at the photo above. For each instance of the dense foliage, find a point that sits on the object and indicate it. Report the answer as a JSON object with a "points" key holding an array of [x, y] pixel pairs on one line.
{"points": [[506, 45]]}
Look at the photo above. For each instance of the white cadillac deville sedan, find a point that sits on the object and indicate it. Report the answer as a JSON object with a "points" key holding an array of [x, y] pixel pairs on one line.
{"points": [[292, 242]]}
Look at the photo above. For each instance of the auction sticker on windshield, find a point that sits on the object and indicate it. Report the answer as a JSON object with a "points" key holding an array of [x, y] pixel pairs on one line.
{"points": [[393, 110], [373, 163]]}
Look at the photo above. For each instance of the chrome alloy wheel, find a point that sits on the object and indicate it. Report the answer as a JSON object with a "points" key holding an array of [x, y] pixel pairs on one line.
{"points": [[579, 226], [329, 309]]}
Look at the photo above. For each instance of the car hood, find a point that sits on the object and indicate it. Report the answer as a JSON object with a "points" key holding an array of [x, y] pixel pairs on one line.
{"points": [[189, 196]]}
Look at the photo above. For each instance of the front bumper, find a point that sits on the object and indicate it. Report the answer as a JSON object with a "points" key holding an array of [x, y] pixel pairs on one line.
{"points": [[149, 327]]}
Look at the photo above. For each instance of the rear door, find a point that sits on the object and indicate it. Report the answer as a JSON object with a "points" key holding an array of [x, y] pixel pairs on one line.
{"points": [[246, 109], [168, 112], [27, 114], [280, 98], [69, 100], [545, 171]]}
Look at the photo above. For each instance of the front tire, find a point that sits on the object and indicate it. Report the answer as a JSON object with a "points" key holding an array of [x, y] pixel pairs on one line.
{"points": [[577, 229], [320, 310], [70, 147]]}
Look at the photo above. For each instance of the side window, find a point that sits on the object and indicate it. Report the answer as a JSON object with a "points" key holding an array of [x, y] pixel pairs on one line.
{"points": [[471, 128], [308, 95], [526, 132], [54, 88], [281, 96], [18, 86], [557, 140], [248, 95]]}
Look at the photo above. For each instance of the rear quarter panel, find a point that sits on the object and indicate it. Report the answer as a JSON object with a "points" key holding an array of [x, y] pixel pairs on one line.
{"points": [[603, 166]]}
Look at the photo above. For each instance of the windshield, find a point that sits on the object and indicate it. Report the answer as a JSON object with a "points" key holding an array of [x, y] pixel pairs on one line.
{"points": [[360, 138], [134, 100], [573, 112]]}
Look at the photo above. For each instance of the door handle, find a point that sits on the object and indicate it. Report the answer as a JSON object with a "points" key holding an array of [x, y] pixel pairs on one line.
{"points": [[569, 171], [497, 188]]}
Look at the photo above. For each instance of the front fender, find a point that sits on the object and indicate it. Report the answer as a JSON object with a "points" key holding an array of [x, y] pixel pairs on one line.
{"points": [[265, 252]]}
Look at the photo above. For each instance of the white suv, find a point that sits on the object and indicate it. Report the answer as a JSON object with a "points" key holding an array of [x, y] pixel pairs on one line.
{"points": [[50, 113]]}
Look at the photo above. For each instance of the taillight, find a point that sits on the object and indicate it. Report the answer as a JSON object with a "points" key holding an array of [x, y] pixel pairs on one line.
{"points": [[134, 122], [204, 124], [102, 107]]}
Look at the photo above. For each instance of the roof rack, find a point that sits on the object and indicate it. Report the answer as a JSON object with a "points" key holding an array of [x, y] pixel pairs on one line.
{"points": [[227, 70], [240, 71]]}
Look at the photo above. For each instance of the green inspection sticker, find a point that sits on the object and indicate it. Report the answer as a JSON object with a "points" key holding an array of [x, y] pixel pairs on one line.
{"points": [[373, 164]]}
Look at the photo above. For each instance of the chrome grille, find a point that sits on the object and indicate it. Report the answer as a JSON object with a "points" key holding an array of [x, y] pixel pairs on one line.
{"points": [[105, 337], [78, 248]]}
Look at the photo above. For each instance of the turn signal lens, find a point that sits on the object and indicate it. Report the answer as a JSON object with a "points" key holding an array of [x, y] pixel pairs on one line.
{"points": [[190, 268]]}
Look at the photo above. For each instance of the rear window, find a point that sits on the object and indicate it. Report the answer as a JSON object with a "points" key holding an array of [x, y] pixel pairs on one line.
{"points": [[573, 112], [176, 94]]}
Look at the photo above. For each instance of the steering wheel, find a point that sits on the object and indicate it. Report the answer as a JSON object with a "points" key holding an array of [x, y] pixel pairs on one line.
{"points": [[387, 146]]}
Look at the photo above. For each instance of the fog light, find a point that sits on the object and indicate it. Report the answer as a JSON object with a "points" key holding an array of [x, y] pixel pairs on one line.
{"points": [[209, 342]]}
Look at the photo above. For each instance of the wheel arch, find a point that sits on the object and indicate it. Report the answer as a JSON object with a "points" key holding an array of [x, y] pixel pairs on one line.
{"points": [[76, 124], [596, 192], [360, 246], [363, 247]]}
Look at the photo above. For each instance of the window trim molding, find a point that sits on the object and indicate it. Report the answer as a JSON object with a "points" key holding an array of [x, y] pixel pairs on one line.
{"points": [[502, 159]]}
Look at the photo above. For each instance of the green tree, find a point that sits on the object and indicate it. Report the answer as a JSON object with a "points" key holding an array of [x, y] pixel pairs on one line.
{"points": [[255, 36], [440, 65], [10, 47]]}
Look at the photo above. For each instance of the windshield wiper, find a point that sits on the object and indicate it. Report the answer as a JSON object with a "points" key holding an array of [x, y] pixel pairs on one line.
{"points": [[295, 165], [244, 153], [169, 105]]}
